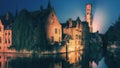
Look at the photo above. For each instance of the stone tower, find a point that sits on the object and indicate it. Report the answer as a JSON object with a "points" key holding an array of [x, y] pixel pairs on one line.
{"points": [[88, 16]]}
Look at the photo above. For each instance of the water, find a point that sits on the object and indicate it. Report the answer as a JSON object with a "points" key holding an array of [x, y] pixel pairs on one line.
{"points": [[101, 64], [70, 60]]}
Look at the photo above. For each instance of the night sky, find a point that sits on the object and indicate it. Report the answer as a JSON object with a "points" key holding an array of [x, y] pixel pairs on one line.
{"points": [[105, 12]]}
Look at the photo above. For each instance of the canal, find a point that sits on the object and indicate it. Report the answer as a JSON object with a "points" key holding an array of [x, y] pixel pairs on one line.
{"points": [[70, 60]]}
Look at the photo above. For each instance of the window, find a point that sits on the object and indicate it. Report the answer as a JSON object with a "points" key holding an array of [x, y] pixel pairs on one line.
{"points": [[52, 15], [5, 33], [0, 64], [80, 37], [59, 31], [9, 33], [88, 9], [52, 39], [5, 41], [8, 40], [76, 36], [0, 40], [87, 13], [55, 31], [0, 29], [59, 39]]}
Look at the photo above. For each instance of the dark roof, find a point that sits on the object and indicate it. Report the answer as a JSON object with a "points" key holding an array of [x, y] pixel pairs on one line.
{"points": [[74, 22]]}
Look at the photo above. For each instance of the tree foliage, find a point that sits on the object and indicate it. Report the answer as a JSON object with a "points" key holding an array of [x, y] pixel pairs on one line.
{"points": [[113, 33], [28, 32]]}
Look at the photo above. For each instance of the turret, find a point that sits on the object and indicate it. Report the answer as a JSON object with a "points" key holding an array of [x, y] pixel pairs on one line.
{"points": [[70, 22]]}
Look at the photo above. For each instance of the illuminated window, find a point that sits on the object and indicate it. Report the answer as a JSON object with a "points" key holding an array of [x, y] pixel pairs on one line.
{"points": [[59, 31], [55, 31], [76, 36]]}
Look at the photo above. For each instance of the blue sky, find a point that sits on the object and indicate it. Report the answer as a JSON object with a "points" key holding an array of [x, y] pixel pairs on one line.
{"points": [[105, 12]]}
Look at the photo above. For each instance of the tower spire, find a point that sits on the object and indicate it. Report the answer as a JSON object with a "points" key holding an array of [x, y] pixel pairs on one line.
{"points": [[49, 4], [89, 16]]}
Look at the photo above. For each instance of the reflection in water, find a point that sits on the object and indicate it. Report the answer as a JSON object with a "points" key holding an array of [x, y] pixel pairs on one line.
{"points": [[102, 63], [69, 60]]}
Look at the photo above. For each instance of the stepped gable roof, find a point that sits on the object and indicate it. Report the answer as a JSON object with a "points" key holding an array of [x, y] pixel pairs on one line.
{"points": [[74, 22]]}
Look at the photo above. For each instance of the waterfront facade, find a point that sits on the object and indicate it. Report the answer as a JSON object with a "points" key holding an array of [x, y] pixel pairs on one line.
{"points": [[73, 28], [75, 33], [53, 28], [5, 37]]}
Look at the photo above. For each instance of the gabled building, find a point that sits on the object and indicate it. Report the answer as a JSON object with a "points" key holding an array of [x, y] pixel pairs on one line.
{"points": [[76, 30], [53, 28], [5, 38]]}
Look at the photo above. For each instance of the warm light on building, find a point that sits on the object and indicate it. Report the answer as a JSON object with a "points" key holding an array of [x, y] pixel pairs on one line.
{"points": [[5, 38], [88, 16]]}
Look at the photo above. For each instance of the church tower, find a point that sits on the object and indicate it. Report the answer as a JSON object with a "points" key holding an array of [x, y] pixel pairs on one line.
{"points": [[88, 16]]}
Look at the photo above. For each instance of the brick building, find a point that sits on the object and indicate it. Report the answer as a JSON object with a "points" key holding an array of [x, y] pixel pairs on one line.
{"points": [[53, 28], [5, 38]]}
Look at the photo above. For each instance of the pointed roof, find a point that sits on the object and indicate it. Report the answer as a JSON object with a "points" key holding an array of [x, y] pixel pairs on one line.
{"points": [[49, 4], [78, 19]]}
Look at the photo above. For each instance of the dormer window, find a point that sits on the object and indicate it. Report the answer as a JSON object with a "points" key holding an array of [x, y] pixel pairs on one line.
{"points": [[52, 15]]}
